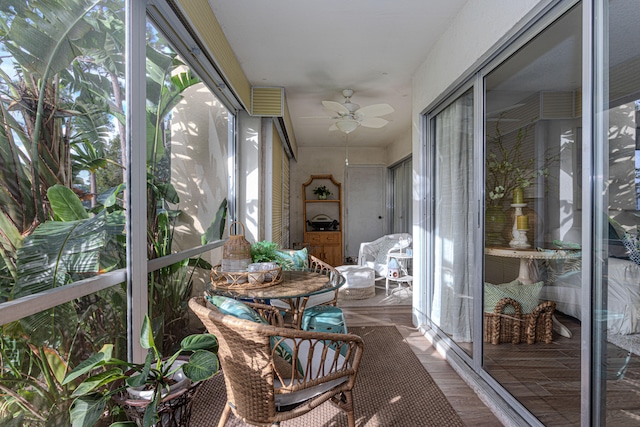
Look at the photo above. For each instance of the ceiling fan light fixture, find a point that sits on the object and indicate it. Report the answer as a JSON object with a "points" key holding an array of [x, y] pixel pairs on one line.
{"points": [[347, 126]]}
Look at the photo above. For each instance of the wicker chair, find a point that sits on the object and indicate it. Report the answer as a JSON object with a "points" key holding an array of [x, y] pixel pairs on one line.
{"points": [[259, 390], [374, 254], [294, 307]]}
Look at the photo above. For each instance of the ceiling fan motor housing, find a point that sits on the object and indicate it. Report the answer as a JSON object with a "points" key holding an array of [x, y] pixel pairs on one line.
{"points": [[350, 116]]}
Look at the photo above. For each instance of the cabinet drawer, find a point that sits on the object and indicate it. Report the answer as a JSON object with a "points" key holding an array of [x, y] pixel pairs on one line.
{"points": [[323, 237]]}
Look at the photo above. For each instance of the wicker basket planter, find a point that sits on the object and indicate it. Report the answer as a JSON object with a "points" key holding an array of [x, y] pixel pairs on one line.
{"points": [[533, 327], [235, 280], [174, 409]]}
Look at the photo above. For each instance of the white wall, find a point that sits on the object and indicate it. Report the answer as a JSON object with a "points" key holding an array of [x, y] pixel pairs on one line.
{"points": [[249, 177], [400, 149], [477, 28], [199, 129]]}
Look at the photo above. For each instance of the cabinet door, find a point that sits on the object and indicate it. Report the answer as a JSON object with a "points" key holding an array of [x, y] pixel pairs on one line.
{"points": [[333, 255], [317, 250]]}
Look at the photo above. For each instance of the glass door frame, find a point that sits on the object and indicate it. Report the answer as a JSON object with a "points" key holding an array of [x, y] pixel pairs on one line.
{"points": [[429, 217], [537, 21]]}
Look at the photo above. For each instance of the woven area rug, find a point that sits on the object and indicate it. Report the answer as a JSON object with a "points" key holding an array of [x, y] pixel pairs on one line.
{"points": [[392, 389]]}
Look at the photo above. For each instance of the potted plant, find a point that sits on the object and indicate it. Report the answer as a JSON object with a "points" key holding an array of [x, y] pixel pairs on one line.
{"points": [[322, 192], [265, 258], [164, 378], [264, 251]]}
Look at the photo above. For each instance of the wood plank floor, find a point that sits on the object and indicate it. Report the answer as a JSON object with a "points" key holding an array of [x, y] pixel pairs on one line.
{"points": [[463, 399], [545, 378]]}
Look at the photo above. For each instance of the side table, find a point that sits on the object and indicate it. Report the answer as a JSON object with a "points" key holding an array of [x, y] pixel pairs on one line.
{"points": [[404, 264], [528, 255]]}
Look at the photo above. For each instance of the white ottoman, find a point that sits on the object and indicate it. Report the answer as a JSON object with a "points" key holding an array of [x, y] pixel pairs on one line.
{"points": [[360, 283]]}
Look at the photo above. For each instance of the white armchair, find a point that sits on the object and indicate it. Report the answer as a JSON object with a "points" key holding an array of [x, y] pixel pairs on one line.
{"points": [[374, 254]]}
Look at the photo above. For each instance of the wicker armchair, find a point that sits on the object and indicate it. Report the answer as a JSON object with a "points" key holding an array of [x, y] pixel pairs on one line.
{"points": [[374, 254], [294, 307], [259, 390]]}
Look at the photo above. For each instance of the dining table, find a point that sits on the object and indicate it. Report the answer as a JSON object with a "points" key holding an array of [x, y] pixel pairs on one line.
{"points": [[296, 287]]}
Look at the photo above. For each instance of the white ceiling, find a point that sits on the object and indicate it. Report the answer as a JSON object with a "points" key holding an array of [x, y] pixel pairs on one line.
{"points": [[315, 49]]}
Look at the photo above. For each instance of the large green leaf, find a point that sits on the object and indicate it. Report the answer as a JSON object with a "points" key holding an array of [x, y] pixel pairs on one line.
{"points": [[65, 204], [59, 251], [146, 334], [199, 342], [56, 250], [89, 364], [42, 39], [95, 382], [217, 226], [202, 365], [87, 410]]}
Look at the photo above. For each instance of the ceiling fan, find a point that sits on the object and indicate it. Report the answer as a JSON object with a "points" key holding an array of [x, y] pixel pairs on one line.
{"points": [[349, 115]]}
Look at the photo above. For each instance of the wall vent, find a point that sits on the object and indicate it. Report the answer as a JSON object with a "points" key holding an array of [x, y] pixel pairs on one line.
{"points": [[267, 101]]}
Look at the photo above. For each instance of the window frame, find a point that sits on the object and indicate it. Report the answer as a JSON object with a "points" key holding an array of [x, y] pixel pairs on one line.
{"points": [[166, 20]]}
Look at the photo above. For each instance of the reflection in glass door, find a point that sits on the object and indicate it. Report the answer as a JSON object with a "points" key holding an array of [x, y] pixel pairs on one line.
{"points": [[454, 220], [532, 276]]}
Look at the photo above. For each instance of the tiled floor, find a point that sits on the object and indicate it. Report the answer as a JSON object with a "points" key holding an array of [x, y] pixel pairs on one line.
{"points": [[466, 403]]}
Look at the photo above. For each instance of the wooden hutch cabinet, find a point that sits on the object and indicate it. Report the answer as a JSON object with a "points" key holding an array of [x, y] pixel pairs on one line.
{"points": [[323, 219]]}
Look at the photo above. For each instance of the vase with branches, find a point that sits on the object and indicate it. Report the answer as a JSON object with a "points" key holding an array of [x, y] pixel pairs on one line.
{"points": [[510, 170], [508, 167]]}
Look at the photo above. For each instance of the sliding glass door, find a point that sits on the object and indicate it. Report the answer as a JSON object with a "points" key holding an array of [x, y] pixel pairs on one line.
{"points": [[454, 220], [616, 196], [560, 256], [533, 223]]}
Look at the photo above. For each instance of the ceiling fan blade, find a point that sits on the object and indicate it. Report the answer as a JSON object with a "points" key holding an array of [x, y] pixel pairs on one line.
{"points": [[336, 106], [375, 110], [317, 117], [373, 122]]}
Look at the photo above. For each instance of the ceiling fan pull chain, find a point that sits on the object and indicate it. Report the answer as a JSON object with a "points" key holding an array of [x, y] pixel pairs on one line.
{"points": [[346, 159]]}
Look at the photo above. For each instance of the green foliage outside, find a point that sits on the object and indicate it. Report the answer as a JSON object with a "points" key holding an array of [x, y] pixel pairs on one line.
{"points": [[62, 211]]}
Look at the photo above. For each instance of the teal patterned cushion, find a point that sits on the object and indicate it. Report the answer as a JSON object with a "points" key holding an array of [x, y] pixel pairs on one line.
{"points": [[526, 295], [293, 260], [235, 308], [632, 244], [240, 310]]}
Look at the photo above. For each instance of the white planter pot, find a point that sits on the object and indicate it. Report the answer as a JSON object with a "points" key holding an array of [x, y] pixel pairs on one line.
{"points": [[262, 271], [182, 382]]}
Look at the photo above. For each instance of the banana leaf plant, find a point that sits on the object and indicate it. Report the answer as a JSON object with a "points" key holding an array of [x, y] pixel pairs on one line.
{"points": [[50, 101], [72, 247]]}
